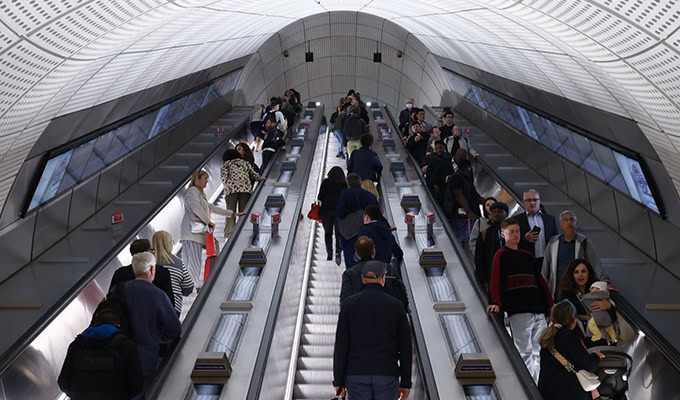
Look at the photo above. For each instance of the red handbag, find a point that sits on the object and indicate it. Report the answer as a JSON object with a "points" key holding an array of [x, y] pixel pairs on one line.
{"points": [[210, 252], [315, 213]]}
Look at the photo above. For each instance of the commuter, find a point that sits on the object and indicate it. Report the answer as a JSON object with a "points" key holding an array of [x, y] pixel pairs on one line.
{"points": [[288, 112], [247, 154], [363, 113], [152, 317], [272, 142], [376, 228], [352, 129], [518, 288], [351, 278], [536, 226], [420, 118], [458, 157], [366, 164], [273, 112], [574, 286], [256, 125], [417, 143], [162, 280], [489, 241], [350, 214], [600, 324], [237, 175], [457, 141], [566, 247], [196, 223], [562, 354], [373, 333], [294, 99], [182, 285], [329, 194], [461, 201], [405, 117], [336, 123], [481, 223], [437, 171], [102, 363], [447, 126]]}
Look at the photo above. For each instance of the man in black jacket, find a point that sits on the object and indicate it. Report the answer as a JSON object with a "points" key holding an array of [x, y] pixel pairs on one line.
{"points": [[376, 228], [366, 163], [353, 127], [437, 170], [273, 140], [372, 334], [405, 117], [351, 278], [536, 227], [162, 279], [489, 242], [416, 144]]}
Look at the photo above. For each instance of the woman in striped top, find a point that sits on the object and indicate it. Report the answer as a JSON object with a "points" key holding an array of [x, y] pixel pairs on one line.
{"points": [[182, 285]]}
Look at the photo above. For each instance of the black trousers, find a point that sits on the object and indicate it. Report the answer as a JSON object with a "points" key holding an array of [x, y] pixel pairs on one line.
{"points": [[329, 227], [266, 157]]}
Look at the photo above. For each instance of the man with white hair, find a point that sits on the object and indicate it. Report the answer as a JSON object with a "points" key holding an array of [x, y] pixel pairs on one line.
{"points": [[565, 248], [153, 319]]}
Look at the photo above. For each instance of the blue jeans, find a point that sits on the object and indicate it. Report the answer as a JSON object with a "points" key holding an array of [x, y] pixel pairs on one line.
{"points": [[338, 135], [366, 387]]}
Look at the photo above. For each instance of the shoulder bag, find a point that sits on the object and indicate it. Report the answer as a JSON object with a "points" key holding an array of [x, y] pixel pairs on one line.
{"points": [[350, 225], [588, 380]]}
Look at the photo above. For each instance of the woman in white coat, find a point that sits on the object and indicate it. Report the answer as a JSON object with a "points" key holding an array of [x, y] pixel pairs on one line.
{"points": [[197, 209]]}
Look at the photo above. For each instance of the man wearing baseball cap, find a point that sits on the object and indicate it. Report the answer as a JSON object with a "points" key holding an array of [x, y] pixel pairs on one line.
{"points": [[373, 330]]}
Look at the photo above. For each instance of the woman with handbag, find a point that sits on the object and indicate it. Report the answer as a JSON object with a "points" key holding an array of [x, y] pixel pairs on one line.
{"points": [[329, 193], [196, 224], [566, 366]]}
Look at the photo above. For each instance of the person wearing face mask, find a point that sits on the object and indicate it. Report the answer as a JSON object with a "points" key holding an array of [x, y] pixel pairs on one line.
{"points": [[405, 117]]}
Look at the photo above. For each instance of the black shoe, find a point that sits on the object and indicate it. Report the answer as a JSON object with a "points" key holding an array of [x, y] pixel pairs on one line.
{"points": [[337, 259], [340, 155], [330, 257]]}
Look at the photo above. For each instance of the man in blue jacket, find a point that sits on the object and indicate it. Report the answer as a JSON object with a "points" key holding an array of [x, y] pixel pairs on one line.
{"points": [[377, 229], [366, 164], [349, 212]]}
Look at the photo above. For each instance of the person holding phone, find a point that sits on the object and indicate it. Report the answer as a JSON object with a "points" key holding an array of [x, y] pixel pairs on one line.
{"points": [[536, 226]]}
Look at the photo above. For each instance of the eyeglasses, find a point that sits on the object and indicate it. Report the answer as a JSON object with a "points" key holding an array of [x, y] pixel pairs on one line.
{"points": [[532, 200]]}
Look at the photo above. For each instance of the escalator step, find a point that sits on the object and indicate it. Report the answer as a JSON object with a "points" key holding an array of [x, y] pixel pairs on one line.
{"points": [[316, 339], [314, 377], [312, 391], [319, 329], [321, 319], [323, 309], [315, 363], [316, 351]]}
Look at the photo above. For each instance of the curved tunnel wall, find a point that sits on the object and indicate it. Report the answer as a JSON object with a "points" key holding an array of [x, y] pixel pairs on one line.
{"points": [[343, 44]]}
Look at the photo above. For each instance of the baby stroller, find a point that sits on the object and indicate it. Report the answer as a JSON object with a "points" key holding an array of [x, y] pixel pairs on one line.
{"points": [[613, 372]]}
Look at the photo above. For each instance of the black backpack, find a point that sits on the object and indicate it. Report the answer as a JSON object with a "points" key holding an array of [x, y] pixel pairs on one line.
{"points": [[97, 368]]}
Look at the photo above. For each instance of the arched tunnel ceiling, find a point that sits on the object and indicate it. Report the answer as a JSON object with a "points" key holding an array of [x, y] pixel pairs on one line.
{"points": [[61, 56]]}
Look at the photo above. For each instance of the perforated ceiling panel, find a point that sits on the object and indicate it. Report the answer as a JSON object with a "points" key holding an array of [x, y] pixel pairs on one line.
{"points": [[61, 56]]}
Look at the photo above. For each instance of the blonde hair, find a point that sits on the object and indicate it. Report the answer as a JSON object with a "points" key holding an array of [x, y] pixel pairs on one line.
{"points": [[194, 180], [162, 242], [561, 315]]}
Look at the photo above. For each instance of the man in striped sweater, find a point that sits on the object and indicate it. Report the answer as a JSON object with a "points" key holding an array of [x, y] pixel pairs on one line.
{"points": [[518, 288]]}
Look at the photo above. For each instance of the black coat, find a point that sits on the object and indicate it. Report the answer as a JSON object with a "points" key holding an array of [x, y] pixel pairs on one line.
{"points": [[352, 284], [329, 193], [488, 243], [373, 337], [353, 127], [555, 382], [385, 244], [418, 148], [524, 227], [161, 280], [365, 163]]}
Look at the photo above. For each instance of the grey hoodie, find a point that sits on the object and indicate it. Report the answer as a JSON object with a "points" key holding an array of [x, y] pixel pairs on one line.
{"points": [[602, 318]]}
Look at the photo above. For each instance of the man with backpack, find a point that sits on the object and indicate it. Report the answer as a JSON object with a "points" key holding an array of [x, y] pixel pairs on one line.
{"points": [[102, 363]]}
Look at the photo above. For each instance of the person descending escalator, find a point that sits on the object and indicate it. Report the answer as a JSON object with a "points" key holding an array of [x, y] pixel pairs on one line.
{"points": [[272, 142]]}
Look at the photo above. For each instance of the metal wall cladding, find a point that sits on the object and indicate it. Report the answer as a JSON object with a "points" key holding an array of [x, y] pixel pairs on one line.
{"points": [[635, 224], [602, 202], [130, 169], [108, 184], [52, 223], [556, 173], [577, 185], [16, 243], [83, 202]]}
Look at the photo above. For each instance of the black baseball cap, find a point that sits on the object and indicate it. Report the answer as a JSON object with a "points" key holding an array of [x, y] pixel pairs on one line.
{"points": [[373, 270], [500, 204]]}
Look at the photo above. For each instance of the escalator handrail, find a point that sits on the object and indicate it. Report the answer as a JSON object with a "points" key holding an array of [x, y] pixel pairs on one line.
{"points": [[30, 335], [525, 378], [624, 307]]}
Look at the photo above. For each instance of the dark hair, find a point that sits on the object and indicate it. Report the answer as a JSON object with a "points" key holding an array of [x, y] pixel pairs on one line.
{"points": [[353, 179], [568, 284], [366, 140], [106, 316], [249, 153], [337, 175], [230, 154], [356, 110], [439, 141], [271, 119], [562, 313], [508, 222], [465, 163], [373, 212], [486, 214], [364, 247], [460, 155], [139, 246], [351, 92]]}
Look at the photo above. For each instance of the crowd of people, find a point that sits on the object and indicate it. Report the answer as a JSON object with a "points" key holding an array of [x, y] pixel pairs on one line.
{"points": [[138, 322]]}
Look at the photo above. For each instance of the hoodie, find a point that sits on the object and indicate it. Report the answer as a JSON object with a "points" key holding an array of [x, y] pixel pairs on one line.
{"points": [[385, 244]]}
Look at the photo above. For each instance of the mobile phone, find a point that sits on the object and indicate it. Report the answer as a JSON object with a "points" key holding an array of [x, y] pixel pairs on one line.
{"points": [[536, 229]]}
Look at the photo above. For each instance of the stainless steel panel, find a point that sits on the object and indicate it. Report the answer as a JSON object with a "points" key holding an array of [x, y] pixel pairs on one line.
{"points": [[592, 119], [227, 333], [31, 376], [130, 169], [57, 132], [93, 121], [459, 335], [121, 108], [83, 201], [576, 184], [556, 173], [146, 162], [666, 239], [602, 202], [531, 152], [635, 224], [628, 134], [15, 242], [19, 195], [52, 223], [109, 182], [561, 108], [666, 189]]}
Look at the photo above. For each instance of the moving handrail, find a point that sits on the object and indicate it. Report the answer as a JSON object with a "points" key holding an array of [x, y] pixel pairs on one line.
{"points": [[526, 380]]}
